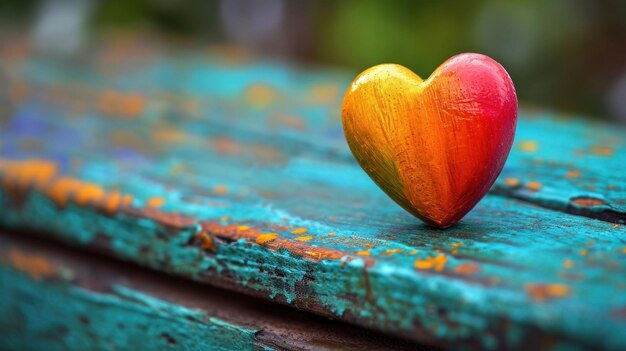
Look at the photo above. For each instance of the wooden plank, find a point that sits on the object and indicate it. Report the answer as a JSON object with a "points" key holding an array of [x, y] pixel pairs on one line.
{"points": [[53, 298], [217, 178]]}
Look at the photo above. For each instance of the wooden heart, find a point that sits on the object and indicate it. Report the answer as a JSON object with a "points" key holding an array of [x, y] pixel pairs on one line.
{"points": [[435, 146]]}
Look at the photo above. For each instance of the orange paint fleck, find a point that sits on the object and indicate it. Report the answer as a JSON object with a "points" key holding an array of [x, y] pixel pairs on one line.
{"points": [[392, 251], [533, 186], [466, 269], [437, 263], [512, 182], [112, 202], [25, 173], [573, 174], [568, 263], [242, 228], [602, 151], [220, 189], [62, 189], [230, 232], [267, 237], [127, 200], [583, 252], [364, 253], [156, 202], [587, 202], [331, 234], [37, 267], [529, 146], [456, 244], [260, 95], [542, 292], [304, 238], [454, 252], [299, 231]]}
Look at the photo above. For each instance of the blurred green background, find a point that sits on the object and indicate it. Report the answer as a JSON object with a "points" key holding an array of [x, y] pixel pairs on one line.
{"points": [[569, 55]]}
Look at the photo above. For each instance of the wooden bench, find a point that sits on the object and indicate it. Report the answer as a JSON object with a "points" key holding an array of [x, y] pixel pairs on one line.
{"points": [[232, 172]]}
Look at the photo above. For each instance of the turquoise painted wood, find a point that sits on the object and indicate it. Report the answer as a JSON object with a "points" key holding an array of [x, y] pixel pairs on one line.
{"points": [[234, 172], [54, 298]]}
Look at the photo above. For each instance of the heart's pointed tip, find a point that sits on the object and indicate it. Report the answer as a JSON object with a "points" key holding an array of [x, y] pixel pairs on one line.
{"points": [[441, 225]]}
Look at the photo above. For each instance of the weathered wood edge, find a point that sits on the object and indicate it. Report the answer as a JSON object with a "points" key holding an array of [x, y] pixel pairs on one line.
{"points": [[54, 298], [426, 307]]}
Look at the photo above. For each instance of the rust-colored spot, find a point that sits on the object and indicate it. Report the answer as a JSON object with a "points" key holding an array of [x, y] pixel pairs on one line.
{"points": [[267, 237], [456, 245], [568, 263], [18, 91], [287, 121], [466, 268], [437, 263], [226, 146], [37, 267], [206, 241], [108, 101], [587, 201], [529, 146], [624, 250], [169, 134], [168, 219], [132, 105], [156, 202], [535, 186], [573, 174], [304, 238], [454, 252], [512, 182], [602, 151], [542, 292], [331, 234], [299, 231], [583, 252]]}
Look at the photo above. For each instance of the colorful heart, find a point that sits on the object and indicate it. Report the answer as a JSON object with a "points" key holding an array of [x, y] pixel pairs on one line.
{"points": [[434, 146]]}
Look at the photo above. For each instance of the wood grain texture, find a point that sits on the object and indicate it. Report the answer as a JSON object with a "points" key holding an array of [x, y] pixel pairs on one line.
{"points": [[54, 298], [235, 173], [435, 146]]}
